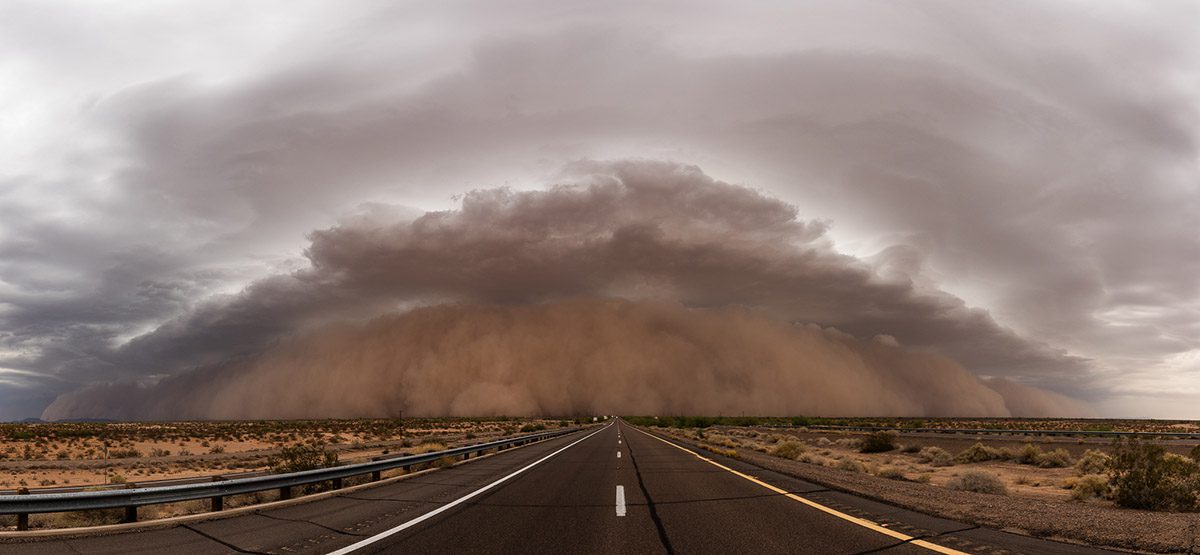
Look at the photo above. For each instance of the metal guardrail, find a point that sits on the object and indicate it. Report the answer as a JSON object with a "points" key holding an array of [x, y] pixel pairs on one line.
{"points": [[1094, 433], [201, 479], [130, 499]]}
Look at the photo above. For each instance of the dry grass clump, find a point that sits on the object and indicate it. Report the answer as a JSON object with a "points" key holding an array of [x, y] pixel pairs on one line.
{"points": [[979, 481], [444, 462], [813, 459], [731, 453], [790, 450], [850, 465], [1058, 458], [980, 453], [935, 456], [80, 519], [429, 447], [891, 473]]}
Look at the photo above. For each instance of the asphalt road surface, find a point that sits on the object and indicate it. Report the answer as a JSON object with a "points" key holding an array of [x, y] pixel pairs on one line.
{"points": [[609, 490]]}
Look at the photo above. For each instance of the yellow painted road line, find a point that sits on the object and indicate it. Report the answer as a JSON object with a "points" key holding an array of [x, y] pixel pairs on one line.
{"points": [[849, 518]]}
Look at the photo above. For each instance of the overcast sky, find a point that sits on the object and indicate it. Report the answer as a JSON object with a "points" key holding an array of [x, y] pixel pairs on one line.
{"points": [[1013, 185]]}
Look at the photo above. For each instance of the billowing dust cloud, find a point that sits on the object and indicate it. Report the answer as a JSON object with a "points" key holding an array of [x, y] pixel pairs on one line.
{"points": [[527, 329], [583, 356]]}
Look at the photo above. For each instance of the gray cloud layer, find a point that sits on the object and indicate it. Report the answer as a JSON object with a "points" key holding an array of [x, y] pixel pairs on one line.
{"points": [[1036, 159]]}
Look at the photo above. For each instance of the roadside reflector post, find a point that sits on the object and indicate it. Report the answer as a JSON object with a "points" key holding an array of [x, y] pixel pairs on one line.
{"points": [[218, 502], [23, 518]]}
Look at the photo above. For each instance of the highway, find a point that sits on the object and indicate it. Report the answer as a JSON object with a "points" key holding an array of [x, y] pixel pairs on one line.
{"points": [[613, 489]]}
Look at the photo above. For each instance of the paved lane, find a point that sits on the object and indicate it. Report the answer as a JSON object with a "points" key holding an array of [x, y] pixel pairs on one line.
{"points": [[673, 503]]}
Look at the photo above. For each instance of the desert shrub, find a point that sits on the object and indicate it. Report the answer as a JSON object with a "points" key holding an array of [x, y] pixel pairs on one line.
{"points": [[891, 473], [1092, 462], [1088, 486], [1144, 476], [913, 448], [130, 453], [979, 453], [1058, 458], [1195, 453], [878, 442], [302, 457], [529, 428], [935, 456], [788, 449], [980, 482]]}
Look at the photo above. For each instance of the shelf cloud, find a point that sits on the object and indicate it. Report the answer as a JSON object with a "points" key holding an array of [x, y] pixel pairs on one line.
{"points": [[643, 231]]}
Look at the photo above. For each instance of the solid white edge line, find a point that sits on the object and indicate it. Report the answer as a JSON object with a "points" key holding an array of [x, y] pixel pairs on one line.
{"points": [[386, 533], [620, 500]]}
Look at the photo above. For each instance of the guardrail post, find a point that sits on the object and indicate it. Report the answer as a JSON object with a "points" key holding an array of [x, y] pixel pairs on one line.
{"points": [[131, 510], [376, 475], [285, 492], [337, 483], [218, 502], [23, 518]]}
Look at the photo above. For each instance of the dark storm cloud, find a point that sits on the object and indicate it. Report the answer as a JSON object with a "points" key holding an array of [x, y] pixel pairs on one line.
{"points": [[1035, 159]]}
